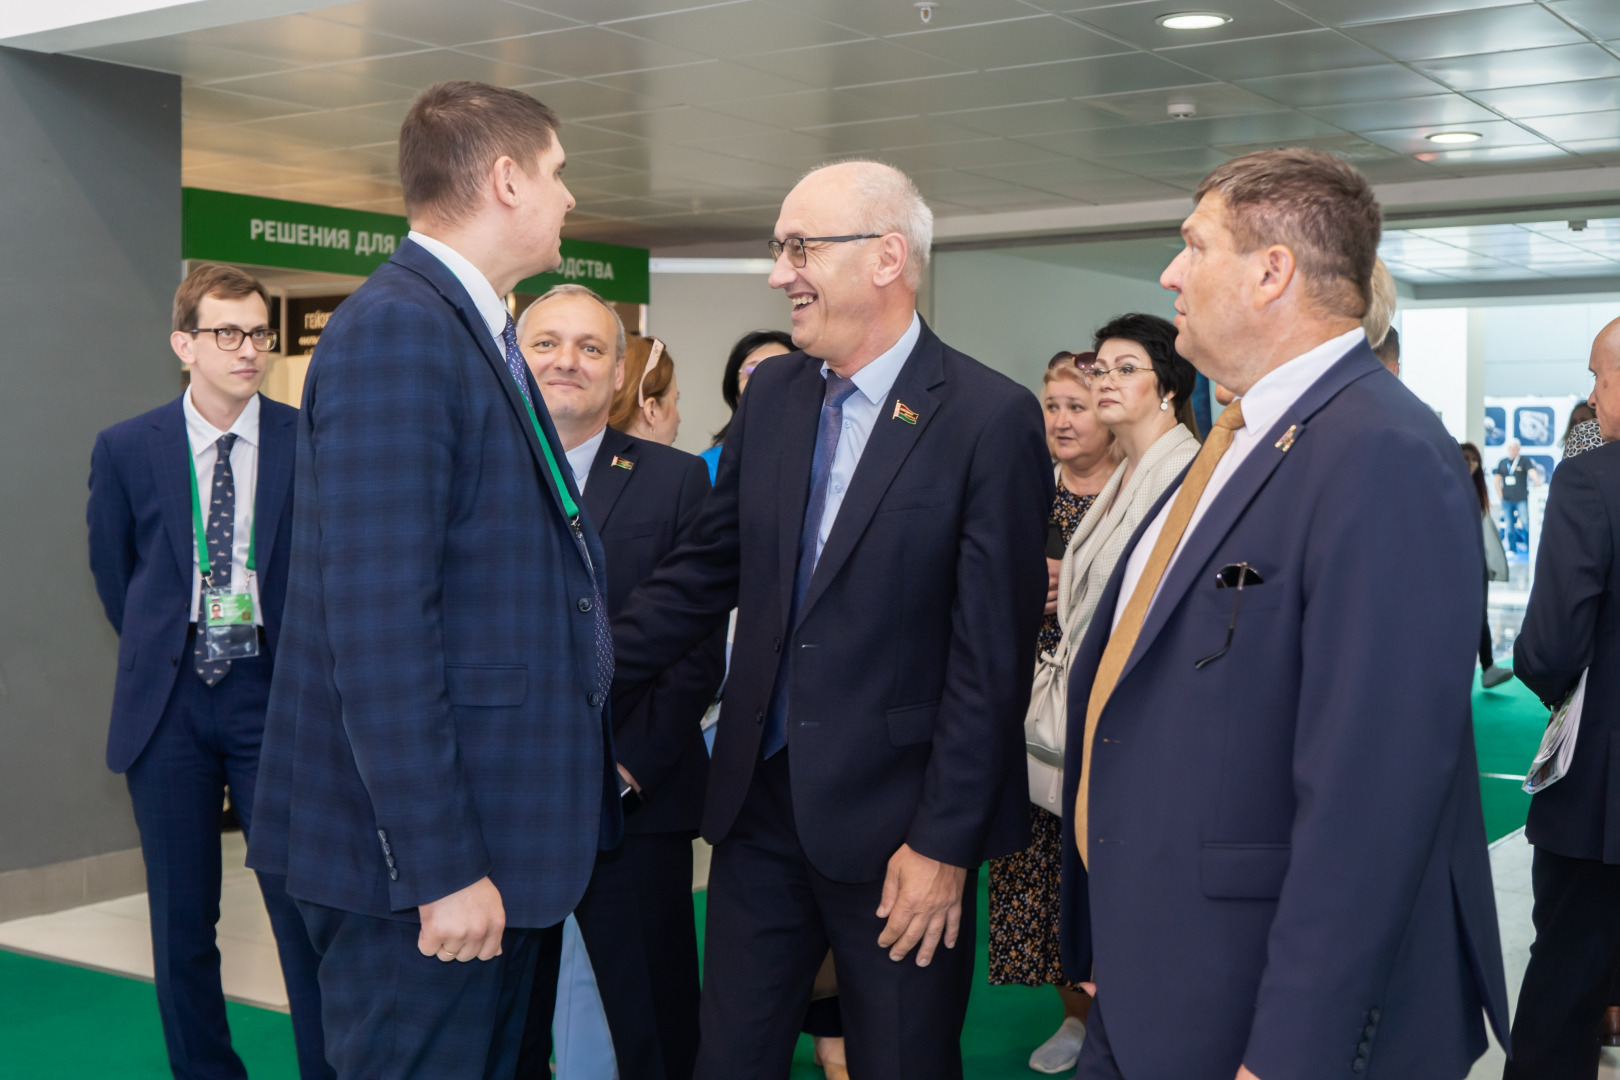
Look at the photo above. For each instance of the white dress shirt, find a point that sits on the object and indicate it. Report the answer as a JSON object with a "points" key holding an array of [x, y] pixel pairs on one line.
{"points": [[581, 457], [872, 385], [483, 295], [204, 439], [1263, 405]]}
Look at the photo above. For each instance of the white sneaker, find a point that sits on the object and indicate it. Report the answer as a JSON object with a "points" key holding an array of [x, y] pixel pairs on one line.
{"points": [[1062, 1050]]}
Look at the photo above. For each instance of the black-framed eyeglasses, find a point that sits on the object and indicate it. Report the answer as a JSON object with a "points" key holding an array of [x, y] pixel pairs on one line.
{"points": [[230, 338], [794, 245], [1232, 576]]}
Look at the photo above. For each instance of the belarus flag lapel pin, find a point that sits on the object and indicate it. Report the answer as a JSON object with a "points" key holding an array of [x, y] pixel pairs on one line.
{"points": [[904, 412], [621, 463]]}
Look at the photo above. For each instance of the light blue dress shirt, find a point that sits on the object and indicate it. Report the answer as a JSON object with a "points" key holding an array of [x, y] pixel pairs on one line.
{"points": [[872, 385]]}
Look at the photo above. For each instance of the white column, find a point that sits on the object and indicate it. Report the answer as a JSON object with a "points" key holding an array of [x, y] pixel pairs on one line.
{"points": [[1435, 365]]}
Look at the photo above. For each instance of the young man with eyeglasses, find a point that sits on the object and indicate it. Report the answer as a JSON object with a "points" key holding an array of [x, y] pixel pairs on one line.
{"points": [[190, 518]]}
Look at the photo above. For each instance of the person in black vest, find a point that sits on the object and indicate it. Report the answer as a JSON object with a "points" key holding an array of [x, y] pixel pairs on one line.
{"points": [[1514, 475], [187, 723], [1572, 628], [636, 917]]}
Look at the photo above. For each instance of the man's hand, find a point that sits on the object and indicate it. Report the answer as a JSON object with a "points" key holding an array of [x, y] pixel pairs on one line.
{"points": [[625, 773], [922, 899], [466, 925], [1245, 1074], [1053, 568]]}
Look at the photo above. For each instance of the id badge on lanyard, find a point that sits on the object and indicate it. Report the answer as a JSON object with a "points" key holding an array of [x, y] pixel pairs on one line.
{"points": [[225, 623]]}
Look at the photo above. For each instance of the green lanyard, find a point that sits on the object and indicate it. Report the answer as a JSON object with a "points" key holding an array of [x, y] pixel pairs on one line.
{"points": [[200, 534], [569, 506]]}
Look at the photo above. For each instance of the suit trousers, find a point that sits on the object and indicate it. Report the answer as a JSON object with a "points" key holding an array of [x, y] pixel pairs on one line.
{"points": [[392, 1013], [207, 740], [771, 919], [637, 924], [1573, 965]]}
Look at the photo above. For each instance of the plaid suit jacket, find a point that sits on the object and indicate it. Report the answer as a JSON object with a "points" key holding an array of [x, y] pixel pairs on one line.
{"points": [[434, 717]]}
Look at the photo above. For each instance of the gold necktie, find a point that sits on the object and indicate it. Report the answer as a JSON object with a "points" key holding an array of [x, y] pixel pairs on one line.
{"points": [[1123, 639]]}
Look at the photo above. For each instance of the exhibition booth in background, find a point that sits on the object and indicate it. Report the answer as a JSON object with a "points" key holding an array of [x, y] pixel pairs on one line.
{"points": [[312, 257]]}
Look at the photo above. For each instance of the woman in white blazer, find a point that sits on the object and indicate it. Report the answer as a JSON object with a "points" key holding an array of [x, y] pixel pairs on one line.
{"points": [[1140, 390]]}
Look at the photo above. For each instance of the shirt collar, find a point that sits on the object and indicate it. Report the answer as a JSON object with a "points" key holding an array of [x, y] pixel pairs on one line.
{"points": [[581, 457], [1269, 398], [202, 433], [483, 294], [876, 379]]}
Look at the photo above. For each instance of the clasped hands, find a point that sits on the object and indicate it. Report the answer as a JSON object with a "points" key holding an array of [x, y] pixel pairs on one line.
{"points": [[922, 899]]}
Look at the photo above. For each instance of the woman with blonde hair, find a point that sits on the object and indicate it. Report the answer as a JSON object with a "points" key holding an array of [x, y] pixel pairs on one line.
{"points": [[647, 405], [1025, 887]]}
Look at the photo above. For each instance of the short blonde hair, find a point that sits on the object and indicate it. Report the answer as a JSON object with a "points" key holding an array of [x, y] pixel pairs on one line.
{"points": [[1381, 309]]}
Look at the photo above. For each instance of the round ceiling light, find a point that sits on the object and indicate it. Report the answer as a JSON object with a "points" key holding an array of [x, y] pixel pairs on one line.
{"points": [[1193, 20], [1453, 138]]}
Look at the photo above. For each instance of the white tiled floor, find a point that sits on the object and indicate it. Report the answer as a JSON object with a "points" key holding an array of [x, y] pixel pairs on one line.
{"points": [[115, 936]]}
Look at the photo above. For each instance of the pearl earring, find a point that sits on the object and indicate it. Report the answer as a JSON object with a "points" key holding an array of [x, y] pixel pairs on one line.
{"points": [[1164, 404]]}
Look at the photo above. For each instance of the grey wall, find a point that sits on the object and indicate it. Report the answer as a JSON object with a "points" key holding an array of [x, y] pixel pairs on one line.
{"points": [[89, 259], [1013, 313]]}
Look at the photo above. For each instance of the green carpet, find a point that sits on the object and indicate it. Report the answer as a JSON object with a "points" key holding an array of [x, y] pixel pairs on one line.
{"points": [[59, 1022]]}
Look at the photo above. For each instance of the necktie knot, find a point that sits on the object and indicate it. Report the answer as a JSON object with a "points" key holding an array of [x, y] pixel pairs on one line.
{"points": [[225, 442], [1231, 417], [838, 390]]}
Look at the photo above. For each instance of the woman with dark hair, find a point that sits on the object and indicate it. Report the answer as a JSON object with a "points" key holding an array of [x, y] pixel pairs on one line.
{"points": [[751, 348], [1496, 569]]}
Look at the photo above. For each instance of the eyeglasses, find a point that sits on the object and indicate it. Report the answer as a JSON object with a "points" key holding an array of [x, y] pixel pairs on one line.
{"points": [[1095, 374], [1233, 576], [230, 338], [794, 245]]}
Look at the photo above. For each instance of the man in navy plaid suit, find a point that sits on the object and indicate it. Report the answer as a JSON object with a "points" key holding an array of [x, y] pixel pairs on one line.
{"points": [[437, 770]]}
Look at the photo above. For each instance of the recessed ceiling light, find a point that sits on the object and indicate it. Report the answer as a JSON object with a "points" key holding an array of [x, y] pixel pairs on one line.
{"points": [[1452, 138], [1193, 20]]}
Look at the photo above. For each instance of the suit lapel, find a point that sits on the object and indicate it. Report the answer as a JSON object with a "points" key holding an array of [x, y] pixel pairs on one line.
{"points": [[171, 459], [275, 474], [795, 439], [607, 482], [887, 448], [414, 257], [1246, 483]]}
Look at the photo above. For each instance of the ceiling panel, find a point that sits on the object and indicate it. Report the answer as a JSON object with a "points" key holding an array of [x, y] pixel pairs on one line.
{"points": [[679, 124], [328, 127], [584, 52], [1284, 54], [1098, 75], [424, 68], [698, 84], [302, 40], [1379, 82], [949, 93], [1031, 40], [1600, 17], [888, 17], [1136, 22], [321, 87], [1554, 99], [209, 105], [1440, 109], [443, 24], [1524, 67], [730, 30], [806, 108], [963, 155], [1210, 99], [1465, 33], [201, 63], [1579, 126], [1492, 133], [850, 63], [1035, 119], [576, 100], [1269, 128], [1352, 12]]}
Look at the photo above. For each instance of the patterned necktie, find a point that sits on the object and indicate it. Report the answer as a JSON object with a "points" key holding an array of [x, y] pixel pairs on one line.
{"points": [[604, 632], [832, 425], [220, 526], [1123, 639]]}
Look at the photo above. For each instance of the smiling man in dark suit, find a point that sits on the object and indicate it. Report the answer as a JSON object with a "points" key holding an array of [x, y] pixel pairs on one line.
{"points": [[1271, 767], [878, 521], [636, 917], [437, 772], [191, 501]]}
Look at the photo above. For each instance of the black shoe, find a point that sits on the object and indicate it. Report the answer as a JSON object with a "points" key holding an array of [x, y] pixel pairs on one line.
{"points": [[1492, 676]]}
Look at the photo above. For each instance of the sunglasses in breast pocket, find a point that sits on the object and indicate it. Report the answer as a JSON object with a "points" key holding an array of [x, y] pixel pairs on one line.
{"points": [[1235, 577]]}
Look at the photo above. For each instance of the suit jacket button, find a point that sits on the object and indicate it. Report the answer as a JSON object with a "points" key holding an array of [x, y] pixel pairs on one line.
{"points": [[1361, 1051], [594, 700], [1370, 1030], [1359, 1065], [777, 646], [1372, 1016], [174, 661], [393, 875], [759, 717], [584, 603]]}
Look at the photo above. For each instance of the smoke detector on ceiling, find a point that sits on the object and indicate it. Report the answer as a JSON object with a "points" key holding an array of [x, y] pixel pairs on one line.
{"points": [[1577, 226], [925, 10], [1183, 110]]}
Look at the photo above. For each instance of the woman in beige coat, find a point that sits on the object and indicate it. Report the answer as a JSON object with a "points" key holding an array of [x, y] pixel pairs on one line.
{"points": [[1140, 390]]}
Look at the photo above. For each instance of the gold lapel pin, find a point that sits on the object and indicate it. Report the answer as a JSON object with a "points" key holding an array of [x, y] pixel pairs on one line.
{"points": [[1288, 438], [904, 412], [621, 463]]}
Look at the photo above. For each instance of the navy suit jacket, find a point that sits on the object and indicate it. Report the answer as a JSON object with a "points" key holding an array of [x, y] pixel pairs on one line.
{"points": [[1287, 850], [142, 548], [1572, 624], [433, 718], [911, 662], [641, 512]]}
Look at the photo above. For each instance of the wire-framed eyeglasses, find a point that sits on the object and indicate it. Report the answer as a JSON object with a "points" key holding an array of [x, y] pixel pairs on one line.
{"points": [[230, 338], [794, 245], [1096, 373]]}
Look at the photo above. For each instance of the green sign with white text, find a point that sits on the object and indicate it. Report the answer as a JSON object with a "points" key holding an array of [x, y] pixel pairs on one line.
{"points": [[226, 227]]}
